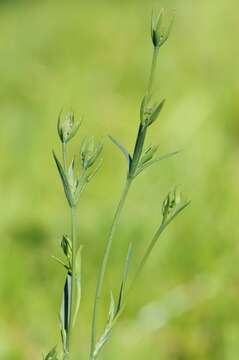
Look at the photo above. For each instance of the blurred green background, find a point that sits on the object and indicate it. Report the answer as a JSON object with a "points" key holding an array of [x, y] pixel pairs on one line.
{"points": [[94, 57]]}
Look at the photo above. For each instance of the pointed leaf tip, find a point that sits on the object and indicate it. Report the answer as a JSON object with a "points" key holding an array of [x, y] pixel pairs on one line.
{"points": [[123, 150], [64, 180]]}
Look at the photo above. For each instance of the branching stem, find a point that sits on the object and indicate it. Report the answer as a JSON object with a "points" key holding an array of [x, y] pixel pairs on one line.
{"points": [[139, 144]]}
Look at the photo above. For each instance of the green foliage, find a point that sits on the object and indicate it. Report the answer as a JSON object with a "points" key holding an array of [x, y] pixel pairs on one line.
{"points": [[123, 150], [73, 186], [56, 67], [65, 182], [90, 151], [136, 164]]}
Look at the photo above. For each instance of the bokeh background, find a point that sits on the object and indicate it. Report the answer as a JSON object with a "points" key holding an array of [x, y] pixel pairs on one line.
{"points": [[93, 57]]}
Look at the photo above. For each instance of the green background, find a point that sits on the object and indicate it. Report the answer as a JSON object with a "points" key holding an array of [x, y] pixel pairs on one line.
{"points": [[94, 57]]}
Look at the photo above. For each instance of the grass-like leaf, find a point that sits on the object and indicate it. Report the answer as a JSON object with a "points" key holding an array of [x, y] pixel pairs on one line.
{"points": [[123, 150], [78, 284], [64, 180], [155, 161], [109, 325], [61, 262], [124, 279], [156, 113], [65, 308]]}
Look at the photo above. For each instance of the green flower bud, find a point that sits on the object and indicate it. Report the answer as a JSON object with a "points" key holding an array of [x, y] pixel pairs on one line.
{"points": [[159, 31], [66, 246], [149, 153], [172, 200], [149, 114], [67, 127], [90, 151]]}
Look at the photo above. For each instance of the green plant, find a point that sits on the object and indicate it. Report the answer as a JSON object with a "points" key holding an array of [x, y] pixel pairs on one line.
{"points": [[74, 181]]}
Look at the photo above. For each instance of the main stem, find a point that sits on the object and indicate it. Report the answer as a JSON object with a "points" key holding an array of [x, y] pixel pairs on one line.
{"points": [[73, 264], [104, 264], [73, 282], [136, 157]]}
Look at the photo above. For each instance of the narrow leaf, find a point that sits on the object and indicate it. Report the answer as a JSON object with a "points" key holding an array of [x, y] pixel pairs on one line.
{"points": [[102, 340], [59, 130], [154, 161], [71, 174], [142, 109], [123, 150], [65, 304], [148, 154], [78, 285], [111, 308], [64, 180], [60, 262], [124, 279], [105, 336], [166, 36], [95, 171], [156, 113]]}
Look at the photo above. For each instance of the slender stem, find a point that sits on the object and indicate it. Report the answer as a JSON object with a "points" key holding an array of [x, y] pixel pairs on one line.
{"points": [[164, 224], [139, 269], [136, 158], [147, 253], [152, 73], [73, 263], [104, 264], [73, 277]]}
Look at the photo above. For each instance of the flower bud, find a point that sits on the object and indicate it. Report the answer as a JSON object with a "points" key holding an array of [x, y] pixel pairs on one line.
{"points": [[90, 151], [67, 127], [149, 114], [172, 200], [149, 153], [66, 246], [160, 32]]}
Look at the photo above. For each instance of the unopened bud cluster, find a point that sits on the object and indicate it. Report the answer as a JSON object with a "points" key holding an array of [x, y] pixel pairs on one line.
{"points": [[67, 127], [66, 246], [74, 180], [89, 152], [159, 31], [149, 114], [148, 154], [172, 200]]}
